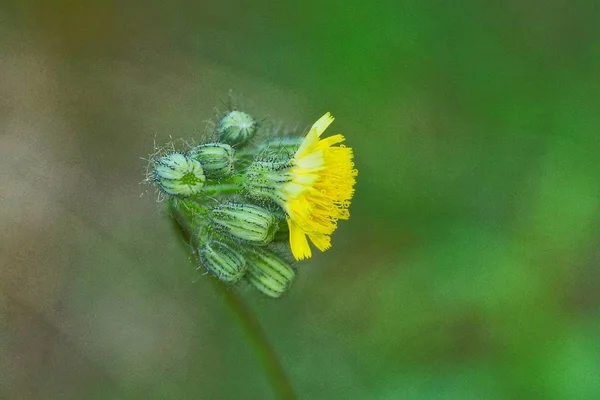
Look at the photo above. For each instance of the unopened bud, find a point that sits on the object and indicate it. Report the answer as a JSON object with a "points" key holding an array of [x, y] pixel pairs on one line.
{"points": [[236, 128], [265, 179], [179, 175], [216, 159], [222, 261], [268, 272], [244, 221]]}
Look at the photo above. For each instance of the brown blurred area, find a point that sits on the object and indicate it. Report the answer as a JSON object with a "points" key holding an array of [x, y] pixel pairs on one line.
{"points": [[86, 264]]}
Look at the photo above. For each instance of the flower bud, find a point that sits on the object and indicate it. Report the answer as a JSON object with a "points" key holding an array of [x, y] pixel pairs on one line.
{"points": [[236, 128], [222, 261], [216, 159], [265, 179], [247, 222], [268, 272], [179, 175]]}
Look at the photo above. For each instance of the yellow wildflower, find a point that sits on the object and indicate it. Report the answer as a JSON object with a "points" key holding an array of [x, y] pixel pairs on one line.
{"points": [[320, 189]]}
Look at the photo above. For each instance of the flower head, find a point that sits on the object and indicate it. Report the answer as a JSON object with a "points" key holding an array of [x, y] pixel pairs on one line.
{"points": [[314, 188]]}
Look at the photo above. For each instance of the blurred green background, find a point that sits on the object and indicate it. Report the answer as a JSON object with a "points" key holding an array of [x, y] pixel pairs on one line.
{"points": [[469, 268]]}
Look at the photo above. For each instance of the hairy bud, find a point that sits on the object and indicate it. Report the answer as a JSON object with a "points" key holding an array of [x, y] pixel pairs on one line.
{"points": [[222, 261], [216, 159], [247, 222], [178, 175], [264, 179], [268, 272], [236, 128]]}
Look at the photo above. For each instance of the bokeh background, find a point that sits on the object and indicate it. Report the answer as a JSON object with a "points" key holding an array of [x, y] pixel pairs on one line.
{"points": [[469, 268]]}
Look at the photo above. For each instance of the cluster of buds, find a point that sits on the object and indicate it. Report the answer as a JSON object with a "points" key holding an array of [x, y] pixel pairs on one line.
{"points": [[237, 237]]}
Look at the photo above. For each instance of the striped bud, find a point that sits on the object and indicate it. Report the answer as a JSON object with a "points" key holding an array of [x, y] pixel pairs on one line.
{"points": [[222, 261], [216, 159], [236, 128], [268, 272], [265, 179], [247, 222], [179, 175]]}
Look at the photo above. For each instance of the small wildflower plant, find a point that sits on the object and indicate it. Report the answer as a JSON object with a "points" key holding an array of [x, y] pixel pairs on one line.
{"points": [[248, 202]]}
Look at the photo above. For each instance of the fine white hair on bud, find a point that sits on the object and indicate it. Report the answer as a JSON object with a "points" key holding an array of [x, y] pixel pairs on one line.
{"points": [[222, 261], [178, 175], [244, 221], [236, 128], [268, 272], [217, 159], [266, 178]]}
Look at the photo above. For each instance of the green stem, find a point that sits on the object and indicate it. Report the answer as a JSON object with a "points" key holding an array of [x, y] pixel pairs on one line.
{"points": [[254, 333], [233, 184], [224, 188]]}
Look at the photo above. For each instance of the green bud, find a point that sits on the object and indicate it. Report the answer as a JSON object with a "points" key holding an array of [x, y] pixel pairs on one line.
{"points": [[247, 222], [268, 272], [236, 128], [216, 159], [265, 179], [222, 261], [179, 175]]}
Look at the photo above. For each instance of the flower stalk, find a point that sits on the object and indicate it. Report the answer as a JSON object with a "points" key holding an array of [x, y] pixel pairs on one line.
{"points": [[242, 314]]}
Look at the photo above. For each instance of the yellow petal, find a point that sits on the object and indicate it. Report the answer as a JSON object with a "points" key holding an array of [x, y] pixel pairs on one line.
{"points": [[312, 161], [305, 179], [293, 190], [312, 137], [322, 123], [323, 242], [298, 242], [329, 141]]}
